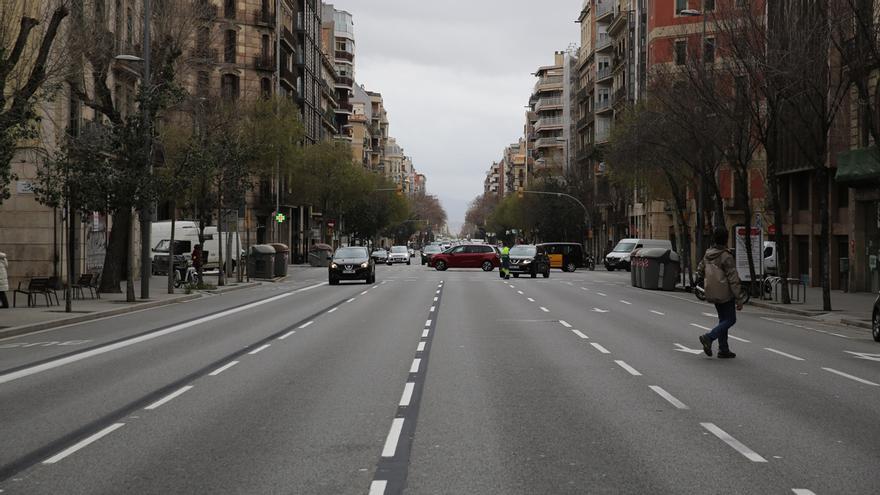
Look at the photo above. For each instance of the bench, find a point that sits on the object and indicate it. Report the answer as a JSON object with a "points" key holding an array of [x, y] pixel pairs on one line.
{"points": [[35, 287], [86, 281]]}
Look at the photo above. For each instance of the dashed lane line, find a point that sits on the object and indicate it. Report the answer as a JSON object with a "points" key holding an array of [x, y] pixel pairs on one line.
{"points": [[428, 323], [420, 347], [565, 323], [425, 333], [790, 356], [407, 394], [734, 337], [351, 300], [223, 368], [168, 398], [393, 437], [333, 310], [433, 308], [531, 300], [415, 365], [306, 324], [629, 369], [602, 294], [258, 349], [600, 348], [377, 487], [545, 309], [851, 377], [701, 327], [658, 313], [579, 334], [802, 491], [288, 334], [668, 397], [732, 442], [83, 443]]}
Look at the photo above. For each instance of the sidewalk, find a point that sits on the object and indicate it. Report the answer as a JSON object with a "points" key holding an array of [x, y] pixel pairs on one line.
{"points": [[21, 320], [849, 308]]}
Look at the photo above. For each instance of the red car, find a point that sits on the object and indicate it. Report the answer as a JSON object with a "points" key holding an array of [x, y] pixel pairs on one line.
{"points": [[467, 256]]}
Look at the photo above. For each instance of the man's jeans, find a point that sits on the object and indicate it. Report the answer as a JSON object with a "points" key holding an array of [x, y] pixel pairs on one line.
{"points": [[726, 319]]}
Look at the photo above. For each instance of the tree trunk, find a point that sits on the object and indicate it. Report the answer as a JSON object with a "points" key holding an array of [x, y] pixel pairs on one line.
{"points": [[171, 250], [116, 255], [743, 192], [824, 221], [221, 267]]}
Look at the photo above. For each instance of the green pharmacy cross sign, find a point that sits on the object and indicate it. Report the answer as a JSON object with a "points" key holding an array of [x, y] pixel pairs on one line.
{"points": [[280, 217]]}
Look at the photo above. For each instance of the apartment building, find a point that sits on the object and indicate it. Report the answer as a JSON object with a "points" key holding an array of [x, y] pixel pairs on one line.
{"points": [[339, 46], [378, 133], [360, 124], [550, 116], [494, 182]]}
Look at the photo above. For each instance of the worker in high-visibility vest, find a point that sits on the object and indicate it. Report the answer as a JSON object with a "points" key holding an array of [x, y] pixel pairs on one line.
{"points": [[505, 262]]}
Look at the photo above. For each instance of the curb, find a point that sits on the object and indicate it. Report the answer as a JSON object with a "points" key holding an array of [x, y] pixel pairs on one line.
{"points": [[856, 323], [784, 309], [46, 325], [221, 290]]}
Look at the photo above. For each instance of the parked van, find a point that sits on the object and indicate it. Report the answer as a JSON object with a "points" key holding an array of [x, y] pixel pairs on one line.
{"points": [[188, 230], [770, 256], [619, 257]]}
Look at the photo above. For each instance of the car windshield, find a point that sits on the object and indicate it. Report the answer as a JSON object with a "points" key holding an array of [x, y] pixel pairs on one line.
{"points": [[399, 249], [432, 249], [162, 246], [523, 250], [379, 252], [350, 252], [624, 247]]}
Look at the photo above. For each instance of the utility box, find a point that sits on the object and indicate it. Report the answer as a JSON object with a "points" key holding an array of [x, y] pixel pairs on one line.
{"points": [[282, 256], [655, 268], [261, 261]]}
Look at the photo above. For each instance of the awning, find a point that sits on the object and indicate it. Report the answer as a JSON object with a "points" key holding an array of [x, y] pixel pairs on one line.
{"points": [[858, 167]]}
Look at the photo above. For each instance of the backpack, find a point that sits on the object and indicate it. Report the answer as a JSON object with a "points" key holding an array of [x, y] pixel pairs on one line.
{"points": [[716, 285]]}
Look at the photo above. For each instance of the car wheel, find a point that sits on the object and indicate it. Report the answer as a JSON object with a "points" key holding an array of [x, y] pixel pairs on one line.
{"points": [[547, 274], [333, 281], [440, 266], [875, 326], [570, 267], [516, 275], [487, 266], [609, 268], [534, 274], [407, 263]]}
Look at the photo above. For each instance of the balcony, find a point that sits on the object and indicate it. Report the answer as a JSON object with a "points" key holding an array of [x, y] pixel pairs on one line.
{"points": [[344, 55], [604, 8], [620, 96], [585, 121], [603, 105], [345, 107], [549, 142], [548, 103], [548, 83], [299, 59], [549, 123], [287, 38], [604, 73], [344, 82], [300, 23], [206, 11], [264, 18], [203, 55], [264, 62], [603, 42], [603, 134], [287, 77]]}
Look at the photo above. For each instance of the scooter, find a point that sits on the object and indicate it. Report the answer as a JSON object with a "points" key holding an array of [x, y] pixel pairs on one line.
{"points": [[590, 262], [185, 274]]}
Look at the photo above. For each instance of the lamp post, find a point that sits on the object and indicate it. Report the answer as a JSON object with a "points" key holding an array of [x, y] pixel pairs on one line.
{"points": [[701, 184]]}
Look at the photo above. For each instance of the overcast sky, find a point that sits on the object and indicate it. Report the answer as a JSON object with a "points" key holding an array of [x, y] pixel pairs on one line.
{"points": [[455, 76]]}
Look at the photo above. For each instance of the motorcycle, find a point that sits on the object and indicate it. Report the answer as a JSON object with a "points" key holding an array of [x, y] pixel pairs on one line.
{"points": [[185, 274], [590, 262]]}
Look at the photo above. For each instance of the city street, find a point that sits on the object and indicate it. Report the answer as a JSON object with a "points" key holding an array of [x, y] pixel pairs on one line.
{"points": [[440, 382]]}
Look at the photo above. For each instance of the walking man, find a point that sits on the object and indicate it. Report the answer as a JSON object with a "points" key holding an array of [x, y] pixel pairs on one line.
{"points": [[722, 286]]}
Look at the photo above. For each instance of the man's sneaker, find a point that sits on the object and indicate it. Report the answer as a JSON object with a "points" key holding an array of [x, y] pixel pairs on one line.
{"points": [[707, 345], [726, 355]]}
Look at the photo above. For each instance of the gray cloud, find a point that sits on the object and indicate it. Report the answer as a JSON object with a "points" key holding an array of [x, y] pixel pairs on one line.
{"points": [[455, 76]]}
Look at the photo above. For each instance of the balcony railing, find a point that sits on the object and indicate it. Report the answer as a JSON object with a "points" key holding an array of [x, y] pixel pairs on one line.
{"points": [[602, 105], [603, 42], [545, 103], [346, 107], [605, 7], [204, 55], [548, 122], [264, 62], [344, 81], [263, 18], [604, 73], [344, 55], [288, 37], [548, 143], [548, 82]]}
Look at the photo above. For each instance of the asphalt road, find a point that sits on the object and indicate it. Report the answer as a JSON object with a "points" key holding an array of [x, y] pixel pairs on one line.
{"points": [[440, 382]]}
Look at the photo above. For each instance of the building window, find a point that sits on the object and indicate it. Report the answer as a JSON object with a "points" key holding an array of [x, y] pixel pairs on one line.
{"points": [[708, 5], [229, 87], [741, 4], [265, 87], [117, 25], [202, 82], [129, 28], [802, 191], [202, 41], [229, 9], [680, 5], [264, 47], [229, 47], [842, 196], [73, 114], [709, 51], [680, 52]]}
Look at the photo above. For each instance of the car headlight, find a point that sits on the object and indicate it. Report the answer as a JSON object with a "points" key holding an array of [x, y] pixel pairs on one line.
{"points": [[333, 265], [526, 262], [365, 264]]}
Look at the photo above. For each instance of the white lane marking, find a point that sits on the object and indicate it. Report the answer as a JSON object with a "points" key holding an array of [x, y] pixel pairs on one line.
{"points": [[374, 287], [306, 324], [425, 333], [427, 323], [436, 298], [520, 292], [600, 348], [168, 398], [288, 334], [223, 368], [333, 310], [597, 310], [415, 365], [437, 292], [365, 292], [258, 349], [143, 338], [669, 397], [531, 300], [393, 436], [601, 294], [432, 309], [584, 288], [545, 309], [790, 356], [351, 300], [626, 302], [377, 487], [864, 355], [851, 377], [802, 491], [734, 337], [420, 347], [632, 371], [512, 286], [687, 349], [701, 327], [840, 335], [82, 443], [658, 313], [736, 444], [580, 334], [564, 323], [407, 393], [710, 315]]}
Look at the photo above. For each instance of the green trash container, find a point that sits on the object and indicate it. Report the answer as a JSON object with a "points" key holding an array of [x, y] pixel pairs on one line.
{"points": [[261, 261], [282, 256]]}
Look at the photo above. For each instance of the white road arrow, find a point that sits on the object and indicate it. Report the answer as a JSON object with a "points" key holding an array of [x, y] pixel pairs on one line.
{"points": [[865, 355], [682, 348], [597, 310]]}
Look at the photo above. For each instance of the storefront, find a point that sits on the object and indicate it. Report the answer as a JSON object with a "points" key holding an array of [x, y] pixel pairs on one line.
{"points": [[860, 170]]}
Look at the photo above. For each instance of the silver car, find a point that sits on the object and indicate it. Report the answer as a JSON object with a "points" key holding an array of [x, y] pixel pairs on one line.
{"points": [[398, 254]]}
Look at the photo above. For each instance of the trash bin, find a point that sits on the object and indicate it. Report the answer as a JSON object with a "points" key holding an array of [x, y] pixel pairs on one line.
{"points": [[261, 261], [635, 271], [318, 255], [671, 271], [282, 256], [658, 268]]}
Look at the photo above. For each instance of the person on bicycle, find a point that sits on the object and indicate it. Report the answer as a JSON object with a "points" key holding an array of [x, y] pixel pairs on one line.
{"points": [[723, 288]]}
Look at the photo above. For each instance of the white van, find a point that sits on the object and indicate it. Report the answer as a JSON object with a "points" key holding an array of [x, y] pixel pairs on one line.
{"points": [[619, 257], [188, 230], [770, 256]]}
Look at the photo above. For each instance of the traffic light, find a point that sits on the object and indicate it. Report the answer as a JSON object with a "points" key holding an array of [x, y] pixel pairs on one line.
{"points": [[399, 190], [519, 193]]}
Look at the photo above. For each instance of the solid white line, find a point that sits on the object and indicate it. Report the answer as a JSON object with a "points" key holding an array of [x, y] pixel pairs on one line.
{"points": [[377, 487], [600, 348], [365, 292], [143, 338], [420, 347], [427, 323], [790, 356], [306, 324], [258, 349], [710, 315], [626, 302], [393, 436], [333, 310], [288, 334], [736, 444], [802, 491], [545, 309], [223, 368], [407, 394], [580, 334], [168, 397], [432, 309], [425, 333], [531, 300], [564, 323], [658, 313], [601, 294], [669, 397], [851, 377], [739, 339], [351, 300], [82, 443], [415, 365], [701, 327], [632, 371]]}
